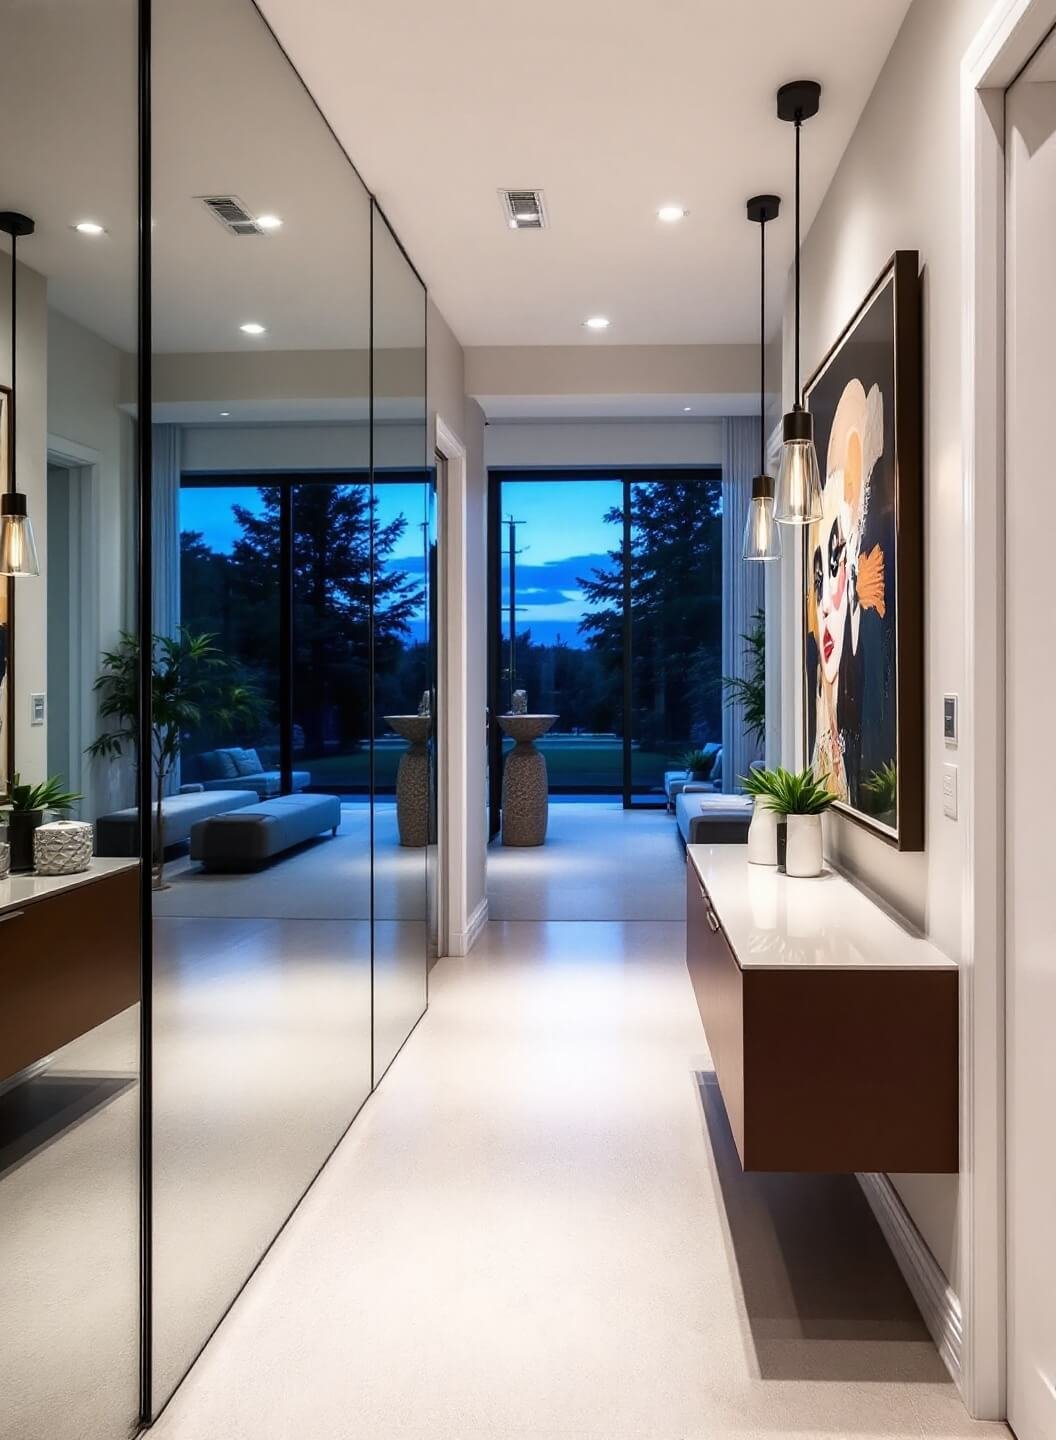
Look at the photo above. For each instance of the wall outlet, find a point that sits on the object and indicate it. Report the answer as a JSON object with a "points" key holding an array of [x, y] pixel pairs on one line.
{"points": [[949, 791], [36, 709]]}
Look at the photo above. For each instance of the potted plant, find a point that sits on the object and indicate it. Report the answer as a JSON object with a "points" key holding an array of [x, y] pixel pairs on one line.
{"points": [[800, 799], [762, 832], [190, 676], [699, 764], [25, 805]]}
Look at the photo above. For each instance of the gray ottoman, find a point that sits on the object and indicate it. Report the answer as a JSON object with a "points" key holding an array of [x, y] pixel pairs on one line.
{"points": [[118, 833], [255, 834], [710, 819]]}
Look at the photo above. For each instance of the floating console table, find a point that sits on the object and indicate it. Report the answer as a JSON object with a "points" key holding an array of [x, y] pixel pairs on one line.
{"points": [[69, 957], [833, 1030]]}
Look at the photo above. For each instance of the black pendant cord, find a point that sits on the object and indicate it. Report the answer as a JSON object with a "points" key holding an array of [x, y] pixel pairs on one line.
{"points": [[799, 392], [762, 346], [13, 401]]}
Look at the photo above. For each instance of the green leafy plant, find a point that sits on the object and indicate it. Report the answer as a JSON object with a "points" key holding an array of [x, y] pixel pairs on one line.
{"points": [[699, 762], [749, 689], [789, 792], [48, 795], [880, 789], [189, 676]]}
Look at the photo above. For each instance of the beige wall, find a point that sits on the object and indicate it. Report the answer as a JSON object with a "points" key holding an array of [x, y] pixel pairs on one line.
{"points": [[604, 442], [897, 187], [606, 369]]}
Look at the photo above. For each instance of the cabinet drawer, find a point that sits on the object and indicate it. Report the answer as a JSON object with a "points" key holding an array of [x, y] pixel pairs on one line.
{"points": [[719, 988], [67, 963]]}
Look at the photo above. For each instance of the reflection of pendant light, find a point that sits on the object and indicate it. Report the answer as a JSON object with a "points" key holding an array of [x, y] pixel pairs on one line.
{"points": [[799, 484], [762, 539], [18, 549]]}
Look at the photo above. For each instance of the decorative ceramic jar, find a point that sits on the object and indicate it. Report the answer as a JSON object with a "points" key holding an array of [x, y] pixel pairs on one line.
{"points": [[762, 835], [62, 848], [803, 850]]}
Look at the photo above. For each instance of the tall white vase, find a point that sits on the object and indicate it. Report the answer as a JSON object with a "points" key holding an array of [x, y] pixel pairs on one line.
{"points": [[762, 835], [803, 851]]}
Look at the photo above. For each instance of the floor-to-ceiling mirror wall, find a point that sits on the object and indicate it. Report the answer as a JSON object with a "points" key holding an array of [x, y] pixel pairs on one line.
{"points": [[261, 235], [69, 942], [404, 542]]}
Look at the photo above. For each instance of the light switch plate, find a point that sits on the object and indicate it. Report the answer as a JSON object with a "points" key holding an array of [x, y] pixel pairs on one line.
{"points": [[949, 791], [36, 709]]}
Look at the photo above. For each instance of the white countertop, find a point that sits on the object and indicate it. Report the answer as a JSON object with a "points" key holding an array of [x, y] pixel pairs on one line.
{"points": [[773, 922], [19, 890]]}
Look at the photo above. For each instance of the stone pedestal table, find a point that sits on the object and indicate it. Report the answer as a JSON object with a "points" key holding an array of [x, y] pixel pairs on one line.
{"points": [[525, 791], [412, 779]]}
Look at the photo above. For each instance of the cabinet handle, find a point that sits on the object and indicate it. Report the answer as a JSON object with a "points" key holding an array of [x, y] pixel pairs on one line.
{"points": [[703, 892], [713, 924], [11, 915]]}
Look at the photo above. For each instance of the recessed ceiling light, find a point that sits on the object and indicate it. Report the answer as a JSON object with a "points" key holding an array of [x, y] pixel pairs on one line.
{"points": [[269, 222], [671, 214], [224, 414], [252, 327], [686, 409], [597, 322], [89, 227]]}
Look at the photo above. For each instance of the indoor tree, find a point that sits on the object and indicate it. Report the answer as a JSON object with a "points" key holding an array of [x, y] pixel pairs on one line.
{"points": [[189, 676]]}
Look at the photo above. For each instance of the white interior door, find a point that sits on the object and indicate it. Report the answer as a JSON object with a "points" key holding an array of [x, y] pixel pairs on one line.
{"points": [[1031, 706]]}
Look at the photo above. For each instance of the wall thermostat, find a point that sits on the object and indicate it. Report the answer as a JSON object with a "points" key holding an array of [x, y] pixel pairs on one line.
{"points": [[949, 719]]}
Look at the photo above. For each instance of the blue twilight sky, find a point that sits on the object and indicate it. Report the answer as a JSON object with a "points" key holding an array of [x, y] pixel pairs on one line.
{"points": [[563, 536]]}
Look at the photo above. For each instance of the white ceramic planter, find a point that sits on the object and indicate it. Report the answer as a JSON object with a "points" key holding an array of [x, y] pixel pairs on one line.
{"points": [[803, 850], [762, 836]]}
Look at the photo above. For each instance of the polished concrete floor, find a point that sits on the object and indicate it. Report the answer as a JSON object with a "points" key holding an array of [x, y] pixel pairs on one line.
{"points": [[538, 1230]]}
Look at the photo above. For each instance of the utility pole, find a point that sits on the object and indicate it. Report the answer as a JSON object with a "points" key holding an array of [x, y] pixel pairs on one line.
{"points": [[513, 552]]}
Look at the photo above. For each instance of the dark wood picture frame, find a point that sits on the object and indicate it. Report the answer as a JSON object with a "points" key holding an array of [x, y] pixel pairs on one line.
{"points": [[7, 607], [904, 569]]}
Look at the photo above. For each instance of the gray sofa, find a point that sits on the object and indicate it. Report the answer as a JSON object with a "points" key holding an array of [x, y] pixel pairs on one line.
{"points": [[255, 834], [232, 768], [118, 833]]}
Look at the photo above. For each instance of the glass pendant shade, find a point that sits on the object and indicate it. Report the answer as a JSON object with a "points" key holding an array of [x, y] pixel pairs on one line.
{"points": [[799, 483], [762, 538], [18, 548]]}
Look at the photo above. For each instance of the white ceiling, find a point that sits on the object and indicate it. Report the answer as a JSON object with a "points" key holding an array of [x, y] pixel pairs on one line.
{"points": [[613, 107]]}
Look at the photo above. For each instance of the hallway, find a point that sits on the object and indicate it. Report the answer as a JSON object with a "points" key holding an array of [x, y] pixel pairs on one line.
{"points": [[537, 1231]]}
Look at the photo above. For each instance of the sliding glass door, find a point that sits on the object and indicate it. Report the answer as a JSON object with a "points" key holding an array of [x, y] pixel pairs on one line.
{"points": [[606, 609]]}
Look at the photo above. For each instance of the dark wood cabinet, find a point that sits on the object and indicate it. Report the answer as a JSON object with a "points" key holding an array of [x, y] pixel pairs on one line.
{"points": [[827, 1069], [68, 961]]}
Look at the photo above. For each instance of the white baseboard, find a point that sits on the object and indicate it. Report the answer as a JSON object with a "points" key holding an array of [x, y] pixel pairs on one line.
{"points": [[462, 941], [936, 1299]]}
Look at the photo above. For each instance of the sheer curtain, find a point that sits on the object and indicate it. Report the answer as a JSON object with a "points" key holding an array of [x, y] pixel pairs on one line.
{"points": [[165, 533], [743, 587]]}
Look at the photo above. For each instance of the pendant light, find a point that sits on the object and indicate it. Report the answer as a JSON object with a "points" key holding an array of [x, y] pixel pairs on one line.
{"points": [[799, 483], [18, 549], [762, 538]]}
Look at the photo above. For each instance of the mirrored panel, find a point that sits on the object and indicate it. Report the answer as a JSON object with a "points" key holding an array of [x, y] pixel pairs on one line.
{"points": [[404, 654], [69, 908], [262, 546]]}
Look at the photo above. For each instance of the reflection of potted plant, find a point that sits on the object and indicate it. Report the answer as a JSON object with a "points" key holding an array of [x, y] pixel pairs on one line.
{"points": [[25, 806], [698, 764], [801, 800], [880, 792], [190, 675]]}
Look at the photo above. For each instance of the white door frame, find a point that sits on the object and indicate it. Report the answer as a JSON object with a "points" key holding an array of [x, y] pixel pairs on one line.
{"points": [[452, 719], [1007, 39]]}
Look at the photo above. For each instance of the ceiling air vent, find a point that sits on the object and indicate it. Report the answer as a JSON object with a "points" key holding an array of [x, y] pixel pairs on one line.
{"points": [[232, 214], [524, 209]]}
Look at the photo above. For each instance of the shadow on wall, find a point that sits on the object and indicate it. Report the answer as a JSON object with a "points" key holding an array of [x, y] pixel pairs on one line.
{"points": [[823, 1297]]}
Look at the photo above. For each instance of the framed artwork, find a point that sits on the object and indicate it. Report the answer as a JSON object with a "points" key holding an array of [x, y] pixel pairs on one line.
{"points": [[7, 614], [863, 622]]}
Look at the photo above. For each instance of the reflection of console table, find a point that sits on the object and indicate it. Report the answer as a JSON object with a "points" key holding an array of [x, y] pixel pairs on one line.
{"points": [[69, 957], [412, 778], [832, 1029], [525, 788]]}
